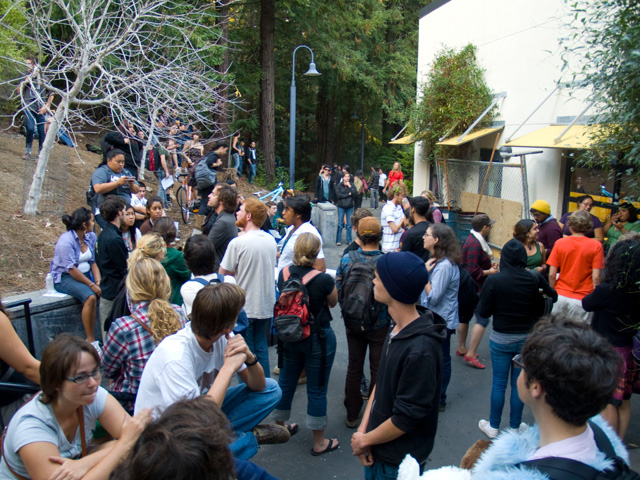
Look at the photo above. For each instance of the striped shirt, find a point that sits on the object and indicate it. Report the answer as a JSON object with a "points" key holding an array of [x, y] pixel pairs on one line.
{"points": [[391, 213]]}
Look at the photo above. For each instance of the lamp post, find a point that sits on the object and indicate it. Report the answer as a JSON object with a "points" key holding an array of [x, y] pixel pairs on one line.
{"points": [[355, 117], [311, 72]]}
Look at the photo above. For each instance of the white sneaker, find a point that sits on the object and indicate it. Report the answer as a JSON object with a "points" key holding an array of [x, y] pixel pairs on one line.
{"points": [[486, 428], [522, 428]]}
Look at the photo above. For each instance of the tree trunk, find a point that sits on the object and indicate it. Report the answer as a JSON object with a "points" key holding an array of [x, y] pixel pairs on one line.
{"points": [[267, 91], [325, 117]]}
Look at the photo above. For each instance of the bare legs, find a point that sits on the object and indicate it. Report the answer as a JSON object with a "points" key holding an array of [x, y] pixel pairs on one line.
{"points": [[89, 317], [476, 336], [463, 330], [618, 417]]}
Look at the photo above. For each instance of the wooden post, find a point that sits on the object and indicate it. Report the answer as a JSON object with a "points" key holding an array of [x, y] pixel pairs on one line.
{"points": [[484, 183]]}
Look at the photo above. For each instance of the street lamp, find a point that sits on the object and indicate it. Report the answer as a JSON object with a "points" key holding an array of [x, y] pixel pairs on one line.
{"points": [[312, 72], [355, 117]]}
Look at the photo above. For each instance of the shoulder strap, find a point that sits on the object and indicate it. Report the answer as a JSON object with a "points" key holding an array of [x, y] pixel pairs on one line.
{"points": [[83, 440], [285, 274], [310, 276], [557, 468], [142, 324], [220, 278], [602, 441], [201, 281]]}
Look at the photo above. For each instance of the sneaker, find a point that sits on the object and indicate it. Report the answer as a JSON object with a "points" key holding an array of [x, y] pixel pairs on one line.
{"points": [[486, 428], [26, 156], [352, 423], [271, 434], [522, 428], [276, 371], [364, 388], [442, 407], [338, 244]]}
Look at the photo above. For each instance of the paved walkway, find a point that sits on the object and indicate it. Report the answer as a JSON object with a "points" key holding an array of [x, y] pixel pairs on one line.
{"points": [[468, 401]]}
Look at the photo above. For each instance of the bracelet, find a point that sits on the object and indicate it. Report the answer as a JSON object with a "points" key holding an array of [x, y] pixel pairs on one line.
{"points": [[91, 285], [255, 360]]}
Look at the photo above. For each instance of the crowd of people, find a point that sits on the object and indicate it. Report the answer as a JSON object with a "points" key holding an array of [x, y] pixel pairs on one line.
{"points": [[183, 334]]}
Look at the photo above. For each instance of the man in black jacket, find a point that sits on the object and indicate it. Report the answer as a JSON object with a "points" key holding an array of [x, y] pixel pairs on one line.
{"points": [[402, 414], [111, 253], [324, 187]]}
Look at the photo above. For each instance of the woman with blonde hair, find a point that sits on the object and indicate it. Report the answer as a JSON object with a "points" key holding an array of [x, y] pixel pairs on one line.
{"points": [[132, 338], [315, 353]]}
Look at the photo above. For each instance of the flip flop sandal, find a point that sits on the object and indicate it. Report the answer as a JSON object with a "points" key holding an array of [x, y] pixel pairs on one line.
{"points": [[463, 354], [293, 429], [330, 448]]}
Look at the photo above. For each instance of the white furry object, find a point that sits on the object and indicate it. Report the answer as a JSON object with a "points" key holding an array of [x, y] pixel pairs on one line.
{"points": [[410, 470]]}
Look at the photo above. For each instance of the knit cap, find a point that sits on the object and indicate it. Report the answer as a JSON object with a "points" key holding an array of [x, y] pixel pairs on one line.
{"points": [[541, 206], [404, 276]]}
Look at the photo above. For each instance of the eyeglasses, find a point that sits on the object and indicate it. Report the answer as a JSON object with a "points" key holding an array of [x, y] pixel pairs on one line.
{"points": [[82, 379], [517, 361]]}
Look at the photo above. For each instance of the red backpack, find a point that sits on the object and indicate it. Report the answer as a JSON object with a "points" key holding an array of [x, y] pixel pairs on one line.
{"points": [[292, 318]]}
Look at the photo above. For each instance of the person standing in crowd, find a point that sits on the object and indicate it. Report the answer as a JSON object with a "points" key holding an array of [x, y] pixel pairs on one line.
{"points": [[36, 103], [509, 296], [382, 181], [235, 154], [314, 354], [252, 160], [414, 238], [442, 290], [395, 175], [345, 193], [585, 204], [526, 231], [625, 220], [359, 339], [111, 253], [434, 215], [361, 187], [550, 232], [124, 141], [214, 162], [392, 217], [111, 178], [374, 186], [202, 358], [614, 304], [173, 261], [355, 219], [407, 391], [251, 259], [132, 338], [476, 258], [297, 217], [580, 261], [224, 201], [130, 234], [74, 267], [324, 188]]}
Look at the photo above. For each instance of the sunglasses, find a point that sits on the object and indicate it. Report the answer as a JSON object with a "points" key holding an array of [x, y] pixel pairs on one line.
{"points": [[517, 361]]}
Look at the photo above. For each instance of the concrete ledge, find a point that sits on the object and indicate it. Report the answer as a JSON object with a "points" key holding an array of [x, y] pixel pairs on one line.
{"points": [[50, 316]]}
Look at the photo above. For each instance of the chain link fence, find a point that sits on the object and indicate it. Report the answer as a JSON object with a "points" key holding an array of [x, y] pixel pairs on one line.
{"points": [[54, 189]]}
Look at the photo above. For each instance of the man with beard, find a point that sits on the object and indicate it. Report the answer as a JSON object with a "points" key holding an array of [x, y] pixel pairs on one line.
{"points": [[413, 240], [251, 258], [224, 201]]}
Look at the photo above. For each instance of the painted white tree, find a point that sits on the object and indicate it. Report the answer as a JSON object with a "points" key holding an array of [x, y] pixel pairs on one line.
{"points": [[134, 58]]}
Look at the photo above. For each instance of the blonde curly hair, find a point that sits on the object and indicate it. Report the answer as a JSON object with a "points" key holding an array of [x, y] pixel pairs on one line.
{"points": [[151, 245], [148, 282]]}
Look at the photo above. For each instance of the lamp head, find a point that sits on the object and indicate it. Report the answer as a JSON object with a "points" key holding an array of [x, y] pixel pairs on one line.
{"points": [[312, 72]]}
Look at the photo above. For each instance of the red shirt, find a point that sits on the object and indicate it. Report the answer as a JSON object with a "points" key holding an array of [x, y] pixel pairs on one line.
{"points": [[395, 176]]}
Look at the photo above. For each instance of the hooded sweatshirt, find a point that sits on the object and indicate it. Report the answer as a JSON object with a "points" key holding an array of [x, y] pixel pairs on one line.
{"points": [[408, 389], [511, 295]]}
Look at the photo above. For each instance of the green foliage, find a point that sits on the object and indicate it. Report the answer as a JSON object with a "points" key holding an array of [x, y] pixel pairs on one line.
{"points": [[606, 44], [454, 95]]}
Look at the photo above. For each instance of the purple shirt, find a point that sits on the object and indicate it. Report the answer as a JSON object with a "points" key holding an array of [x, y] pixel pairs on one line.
{"points": [[67, 253], [565, 221], [549, 233]]}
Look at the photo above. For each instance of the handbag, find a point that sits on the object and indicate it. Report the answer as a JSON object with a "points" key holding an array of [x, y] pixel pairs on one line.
{"points": [[543, 304]]}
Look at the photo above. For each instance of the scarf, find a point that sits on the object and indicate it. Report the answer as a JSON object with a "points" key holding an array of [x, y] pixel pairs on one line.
{"points": [[483, 243]]}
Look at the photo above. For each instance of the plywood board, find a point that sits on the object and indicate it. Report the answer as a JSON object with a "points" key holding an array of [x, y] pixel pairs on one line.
{"points": [[506, 213]]}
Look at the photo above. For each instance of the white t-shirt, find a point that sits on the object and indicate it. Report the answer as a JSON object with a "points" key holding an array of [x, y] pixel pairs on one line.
{"points": [[391, 213], [138, 202], [179, 369], [382, 180], [252, 257], [190, 289], [36, 422], [286, 253], [581, 448]]}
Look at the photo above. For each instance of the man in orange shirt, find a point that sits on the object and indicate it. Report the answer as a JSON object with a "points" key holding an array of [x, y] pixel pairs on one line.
{"points": [[580, 261]]}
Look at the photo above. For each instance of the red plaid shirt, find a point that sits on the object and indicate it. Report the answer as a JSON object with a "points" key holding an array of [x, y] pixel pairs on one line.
{"points": [[475, 260]]}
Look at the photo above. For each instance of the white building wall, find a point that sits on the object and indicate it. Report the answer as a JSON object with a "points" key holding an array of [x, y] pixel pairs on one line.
{"points": [[518, 45]]}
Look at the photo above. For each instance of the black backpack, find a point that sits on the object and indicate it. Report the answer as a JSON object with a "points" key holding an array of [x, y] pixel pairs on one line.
{"points": [[468, 297], [566, 469], [359, 309]]}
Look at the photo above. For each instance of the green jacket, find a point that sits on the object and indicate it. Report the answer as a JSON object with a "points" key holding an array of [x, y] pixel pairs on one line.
{"points": [[178, 273]]}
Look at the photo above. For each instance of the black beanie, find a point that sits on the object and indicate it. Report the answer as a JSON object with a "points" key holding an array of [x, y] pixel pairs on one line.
{"points": [[404, 276]]}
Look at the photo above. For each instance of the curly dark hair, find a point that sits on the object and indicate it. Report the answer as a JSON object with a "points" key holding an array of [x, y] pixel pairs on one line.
{"points": [[522, 229], [622, 268], [576, 367], [447, 245], [189, 440]]}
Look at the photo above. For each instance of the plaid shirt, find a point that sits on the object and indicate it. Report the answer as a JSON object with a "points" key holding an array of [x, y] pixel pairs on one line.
{"points": [[128, 347], [475, 260]]}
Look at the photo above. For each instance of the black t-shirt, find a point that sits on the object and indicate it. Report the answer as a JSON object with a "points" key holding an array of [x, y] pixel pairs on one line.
{"points": [[352, 247], [615, 313], [319, 288], [413, 241]]}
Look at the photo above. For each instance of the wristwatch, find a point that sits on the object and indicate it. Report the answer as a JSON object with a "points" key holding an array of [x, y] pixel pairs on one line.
{"points": [[255, 360]]}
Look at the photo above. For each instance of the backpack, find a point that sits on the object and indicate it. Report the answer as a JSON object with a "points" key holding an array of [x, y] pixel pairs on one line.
{"points": [[359, 309], [205, 177], [152, 162], [292, 318], [357, 182], [243, 321], [468, 297], [557, 468]]}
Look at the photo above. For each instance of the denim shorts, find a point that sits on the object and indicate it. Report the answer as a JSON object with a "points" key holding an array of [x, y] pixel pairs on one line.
{"points": [[74, 288]]}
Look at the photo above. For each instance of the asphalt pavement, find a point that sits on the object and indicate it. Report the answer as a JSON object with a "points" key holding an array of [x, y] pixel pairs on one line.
{"points": [[468, 398]]}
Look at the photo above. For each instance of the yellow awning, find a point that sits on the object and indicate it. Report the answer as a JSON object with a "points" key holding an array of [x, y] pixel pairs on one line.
{"points": [[577, 137], [454, 142], [403, 140]]}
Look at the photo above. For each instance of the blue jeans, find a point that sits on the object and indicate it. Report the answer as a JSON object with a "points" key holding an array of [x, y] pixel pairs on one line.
{"points": [[341, 213], [76, 289], [161, 191], [381, 471], [501, 356], [245, 409], [32, 121], [237, 163], [252, 172], [306, 354], [446, 366], [256, 337]]}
